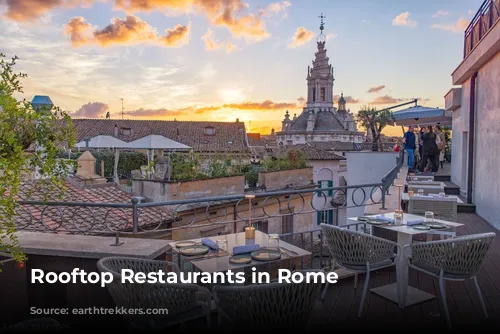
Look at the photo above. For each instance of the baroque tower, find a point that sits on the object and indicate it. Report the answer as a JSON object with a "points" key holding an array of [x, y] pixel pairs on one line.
{"points": [[320, 76]]}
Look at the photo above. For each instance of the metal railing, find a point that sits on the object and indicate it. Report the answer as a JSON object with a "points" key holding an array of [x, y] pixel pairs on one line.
{"points": [[487, 15], [143, 218]]}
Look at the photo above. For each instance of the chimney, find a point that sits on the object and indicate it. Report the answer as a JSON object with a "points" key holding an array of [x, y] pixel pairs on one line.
{"points": [[116, 130], [237, 120]]}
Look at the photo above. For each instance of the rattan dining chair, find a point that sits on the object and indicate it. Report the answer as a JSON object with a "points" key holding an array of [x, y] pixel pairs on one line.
{"points": [[267, 305], [183, 301], [358, 252], [454, 259]]}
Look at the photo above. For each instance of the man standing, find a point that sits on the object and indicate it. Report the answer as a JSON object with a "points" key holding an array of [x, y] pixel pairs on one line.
{"points": [[409, 140], [441, 143]]}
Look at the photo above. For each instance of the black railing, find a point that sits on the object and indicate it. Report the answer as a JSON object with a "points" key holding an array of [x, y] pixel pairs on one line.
{"points": [[487, 15]]}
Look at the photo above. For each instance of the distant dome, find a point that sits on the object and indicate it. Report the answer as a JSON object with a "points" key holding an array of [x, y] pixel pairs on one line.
{"points": [[325, 121]]}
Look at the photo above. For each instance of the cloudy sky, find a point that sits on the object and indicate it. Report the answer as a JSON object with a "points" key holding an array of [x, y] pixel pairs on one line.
{"points": [[227, 59]]}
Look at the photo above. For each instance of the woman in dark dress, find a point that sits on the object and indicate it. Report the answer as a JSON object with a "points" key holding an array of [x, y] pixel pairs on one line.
{"points": [[430, 150]]}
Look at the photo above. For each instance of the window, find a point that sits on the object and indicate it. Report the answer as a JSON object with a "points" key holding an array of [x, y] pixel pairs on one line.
{"points": [[325, 217], [325, 184], [287, 223], [314, 94], [323, 94], [210, 131], [126, 131]]}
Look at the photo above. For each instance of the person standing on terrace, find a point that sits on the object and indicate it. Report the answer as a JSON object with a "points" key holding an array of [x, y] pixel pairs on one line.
{"points": [[409, 141]]}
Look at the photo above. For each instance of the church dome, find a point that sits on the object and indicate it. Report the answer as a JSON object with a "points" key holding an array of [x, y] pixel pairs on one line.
{"points": [[324, 121]]}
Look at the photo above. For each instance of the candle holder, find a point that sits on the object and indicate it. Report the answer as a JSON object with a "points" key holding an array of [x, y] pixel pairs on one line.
{"points": [[250, 230], [398, 214]]}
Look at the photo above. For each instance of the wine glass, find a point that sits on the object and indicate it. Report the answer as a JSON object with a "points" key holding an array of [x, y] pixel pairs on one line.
{"points": [[420, 192]]}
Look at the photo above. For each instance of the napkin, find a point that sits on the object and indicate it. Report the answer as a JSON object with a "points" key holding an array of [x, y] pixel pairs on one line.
{"points": [[415, 222], [245, 249], [387, 219], [209, 243]]}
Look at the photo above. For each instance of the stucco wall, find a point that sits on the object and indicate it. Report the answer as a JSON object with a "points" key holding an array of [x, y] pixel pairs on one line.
{"points": [[487, 160], [460, 124], [366, 168]]}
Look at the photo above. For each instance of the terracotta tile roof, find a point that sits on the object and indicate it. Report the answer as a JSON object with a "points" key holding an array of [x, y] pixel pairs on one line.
{"points": [[228, 137], [254, 139], [336, 146], [314, 153], [80, 219]]}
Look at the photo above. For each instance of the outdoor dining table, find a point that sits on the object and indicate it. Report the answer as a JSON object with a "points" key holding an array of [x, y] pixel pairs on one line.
{"points": [[400, 292], [213, 264], [405, 198]]}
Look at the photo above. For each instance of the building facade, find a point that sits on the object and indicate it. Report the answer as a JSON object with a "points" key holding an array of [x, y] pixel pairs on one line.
{"points": [[475, 106], [320, 120]]}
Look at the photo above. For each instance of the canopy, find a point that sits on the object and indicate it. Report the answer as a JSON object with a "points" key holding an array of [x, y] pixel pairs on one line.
{"points": [[419, 115], [153, 142], [102, 141]]}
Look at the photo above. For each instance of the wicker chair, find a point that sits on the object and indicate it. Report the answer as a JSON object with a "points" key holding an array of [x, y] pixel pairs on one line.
{"points": [[454, 259], [184, 302], [358, 252], [274, 304], [445, 208]]}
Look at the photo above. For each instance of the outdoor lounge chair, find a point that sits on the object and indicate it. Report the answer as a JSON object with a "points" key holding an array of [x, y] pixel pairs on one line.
{"points": [[454, 259], [183, 301], [358, 252], [268, 305]]}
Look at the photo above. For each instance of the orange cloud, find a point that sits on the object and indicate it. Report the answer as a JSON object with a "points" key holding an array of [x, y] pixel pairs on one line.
{"points": [[211, 44], [301, 37], [26, 10], [131, 30], [376, 89], [29, 10], [220, 12], [266, 105], [91, 110], [458, 26], [348, 99], [386, 99]]}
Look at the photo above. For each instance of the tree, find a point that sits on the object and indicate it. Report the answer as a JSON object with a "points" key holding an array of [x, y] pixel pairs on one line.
{"points": [[29, 142], [374, 121]]}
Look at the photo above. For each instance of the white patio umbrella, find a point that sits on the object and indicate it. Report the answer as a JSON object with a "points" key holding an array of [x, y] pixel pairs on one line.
{"points": [[421, 116], [157, 142], [102, 141]]}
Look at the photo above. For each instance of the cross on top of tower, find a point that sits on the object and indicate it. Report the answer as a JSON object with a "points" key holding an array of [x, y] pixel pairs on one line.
{"points": [[321, 37], [322, 25]]}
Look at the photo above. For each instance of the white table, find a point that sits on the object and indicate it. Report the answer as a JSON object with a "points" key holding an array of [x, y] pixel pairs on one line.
{"points": [[405, 197], [221, 263], [400, 292]]}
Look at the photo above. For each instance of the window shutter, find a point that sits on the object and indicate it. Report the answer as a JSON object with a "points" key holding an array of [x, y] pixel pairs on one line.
{"points": [[330, 185], [320, 194], [330, 217], [318, 217]]}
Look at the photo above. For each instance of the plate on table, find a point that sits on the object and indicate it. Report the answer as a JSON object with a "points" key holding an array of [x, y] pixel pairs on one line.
{"points": [[436, 226], [182, 244], [364, 219], [266, 255], [194, 250], [240, 259], [421, 227], [375, 221]]}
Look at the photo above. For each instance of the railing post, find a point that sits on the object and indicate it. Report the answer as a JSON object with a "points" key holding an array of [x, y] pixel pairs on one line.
{"points": [[383, 198], [135, 217]]}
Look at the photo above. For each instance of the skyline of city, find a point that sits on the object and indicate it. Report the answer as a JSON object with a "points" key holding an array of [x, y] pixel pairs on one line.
{"points": [[202, 60]]}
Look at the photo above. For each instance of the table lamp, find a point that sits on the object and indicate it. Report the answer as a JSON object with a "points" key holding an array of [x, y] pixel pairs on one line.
{"points": [[250, 230]]}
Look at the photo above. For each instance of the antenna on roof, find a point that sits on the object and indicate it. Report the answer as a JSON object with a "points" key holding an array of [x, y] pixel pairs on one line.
{"points": [[122, 108]]}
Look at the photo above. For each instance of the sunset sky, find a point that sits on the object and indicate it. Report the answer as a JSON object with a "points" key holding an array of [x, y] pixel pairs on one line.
{"points": [[227, 59]]}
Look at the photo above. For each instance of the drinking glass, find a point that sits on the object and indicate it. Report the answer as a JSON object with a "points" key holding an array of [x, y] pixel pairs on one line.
{"points": [[274, 241], [442, 194], [221, 247], [429, 217], [420, 192]]}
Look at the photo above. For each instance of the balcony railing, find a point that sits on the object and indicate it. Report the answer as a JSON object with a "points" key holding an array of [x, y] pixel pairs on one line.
{"points": [[487, 15]]}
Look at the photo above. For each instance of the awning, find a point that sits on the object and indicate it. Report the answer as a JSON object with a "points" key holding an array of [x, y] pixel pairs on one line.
{"points": [[422, 116]]}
